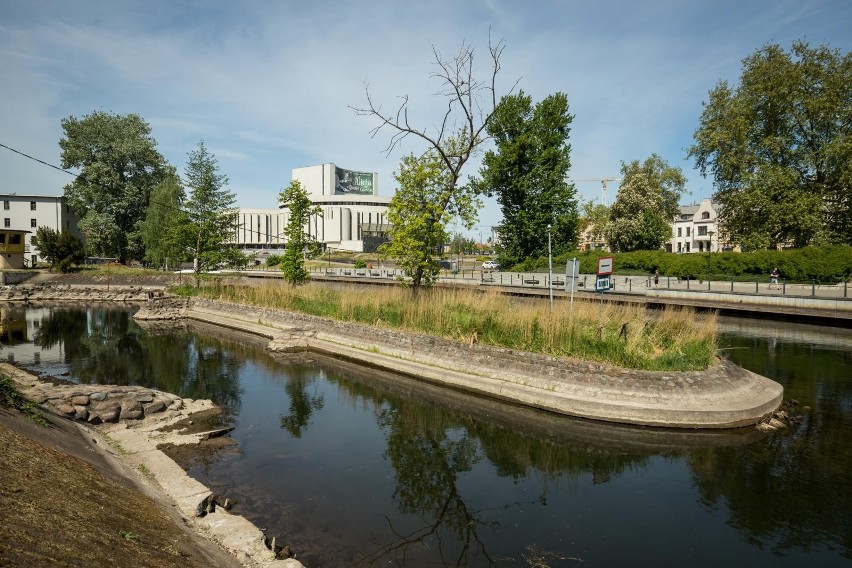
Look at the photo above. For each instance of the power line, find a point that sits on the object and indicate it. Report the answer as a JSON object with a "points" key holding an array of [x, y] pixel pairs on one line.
{"points": [[268, 236]]}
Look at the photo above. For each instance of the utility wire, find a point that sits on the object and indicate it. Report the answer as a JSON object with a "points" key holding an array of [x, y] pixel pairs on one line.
{"points": [[268, 236]]}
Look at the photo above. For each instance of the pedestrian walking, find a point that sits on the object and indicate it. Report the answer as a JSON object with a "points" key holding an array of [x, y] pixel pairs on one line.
{"points": [[773, 278], [656, 278]]}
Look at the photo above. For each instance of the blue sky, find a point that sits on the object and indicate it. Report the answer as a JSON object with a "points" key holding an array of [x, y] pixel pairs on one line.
{"points": [[268, 85]]}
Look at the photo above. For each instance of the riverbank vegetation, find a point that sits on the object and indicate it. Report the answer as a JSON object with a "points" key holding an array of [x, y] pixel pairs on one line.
{"points": [[824, 264], [674, 339]]}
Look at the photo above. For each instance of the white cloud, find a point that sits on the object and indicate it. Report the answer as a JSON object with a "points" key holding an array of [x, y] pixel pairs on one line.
{"points": [[269, 85]]}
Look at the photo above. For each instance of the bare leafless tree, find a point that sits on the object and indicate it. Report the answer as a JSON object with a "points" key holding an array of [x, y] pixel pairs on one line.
{"points": [[470, 105]]}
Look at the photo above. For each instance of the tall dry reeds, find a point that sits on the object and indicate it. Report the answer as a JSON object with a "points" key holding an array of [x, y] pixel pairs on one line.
{"points": [[624, 335]]}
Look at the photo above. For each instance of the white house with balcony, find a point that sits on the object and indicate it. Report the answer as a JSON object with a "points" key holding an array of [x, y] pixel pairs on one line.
{"points": [[696, 229], [27, 213]]}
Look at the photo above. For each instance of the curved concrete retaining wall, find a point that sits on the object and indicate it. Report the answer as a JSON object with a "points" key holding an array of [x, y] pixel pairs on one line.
{"points": [[723, 396]]}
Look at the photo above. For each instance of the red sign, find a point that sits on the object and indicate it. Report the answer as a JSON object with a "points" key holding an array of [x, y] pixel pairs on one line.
{"points": [[604, 265]]}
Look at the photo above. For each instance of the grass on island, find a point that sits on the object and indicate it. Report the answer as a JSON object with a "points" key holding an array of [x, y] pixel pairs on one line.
{"points": [[673, 339]]}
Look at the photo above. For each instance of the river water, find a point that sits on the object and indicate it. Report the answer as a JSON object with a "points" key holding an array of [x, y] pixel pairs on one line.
{"points": [[355, 467]]}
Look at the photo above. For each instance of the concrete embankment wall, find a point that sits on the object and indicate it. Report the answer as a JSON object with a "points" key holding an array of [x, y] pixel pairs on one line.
{"points": [[824, 307], [723, 396]]}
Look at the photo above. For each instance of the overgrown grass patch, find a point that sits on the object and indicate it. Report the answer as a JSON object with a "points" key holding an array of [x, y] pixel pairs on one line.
{"points": [[11, 398], [627, 336]]}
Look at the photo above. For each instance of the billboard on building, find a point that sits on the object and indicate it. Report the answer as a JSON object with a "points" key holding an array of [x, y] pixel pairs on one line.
{"points": [[347, 181]]}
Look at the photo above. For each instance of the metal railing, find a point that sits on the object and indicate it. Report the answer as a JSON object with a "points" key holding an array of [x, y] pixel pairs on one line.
{"points": [[620, 284]]}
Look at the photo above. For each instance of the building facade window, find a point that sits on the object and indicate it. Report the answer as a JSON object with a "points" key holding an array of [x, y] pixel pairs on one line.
{"points": [[702, 231], [705, 215], [687, 231], [679, 230], [7, 222], [6, 204], [32, 205], [33, 223]]}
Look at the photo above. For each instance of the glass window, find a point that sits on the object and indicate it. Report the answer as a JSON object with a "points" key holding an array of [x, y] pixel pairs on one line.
{"points": [[33, 223], [702, 231], [705, 215], [6, 204], [32, 205], [7, 222], [687, 231], [679, 231], [15, 239]]}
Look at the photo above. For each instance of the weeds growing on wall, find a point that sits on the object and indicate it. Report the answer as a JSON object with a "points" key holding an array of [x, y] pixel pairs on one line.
{"points": [[627, 336]]}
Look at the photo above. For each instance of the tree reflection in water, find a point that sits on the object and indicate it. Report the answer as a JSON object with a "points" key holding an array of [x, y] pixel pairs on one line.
{"points": [[104, 345], [302, 404], [432, 449]]}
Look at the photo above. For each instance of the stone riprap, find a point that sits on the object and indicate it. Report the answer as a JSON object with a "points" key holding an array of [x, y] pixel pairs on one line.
{"points": [[94, 404], [76, 293], [136, 421], [722, 396]]}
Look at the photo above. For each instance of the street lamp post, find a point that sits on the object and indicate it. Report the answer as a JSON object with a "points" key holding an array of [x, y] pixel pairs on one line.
{"points": [[709, 250], [549, 269]]}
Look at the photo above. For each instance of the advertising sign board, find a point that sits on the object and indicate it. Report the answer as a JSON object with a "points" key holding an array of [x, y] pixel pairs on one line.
{"points": [[348, 182]]}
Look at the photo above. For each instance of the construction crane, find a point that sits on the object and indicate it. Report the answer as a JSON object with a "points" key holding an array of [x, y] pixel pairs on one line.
{"points": [[603, 185]]}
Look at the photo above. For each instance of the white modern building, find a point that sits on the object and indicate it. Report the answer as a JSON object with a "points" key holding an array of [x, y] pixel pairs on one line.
{"points": [[696, 229], [354, 215], [29, 212]]}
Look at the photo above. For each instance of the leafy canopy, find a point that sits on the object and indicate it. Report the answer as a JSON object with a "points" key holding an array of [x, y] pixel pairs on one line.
{"points": [[779, 148], [211, 220], [299, 242], [424, 203], [594, 220], [527, 172], [61, 250], [163, 226], [646, 204], [119, 166]]}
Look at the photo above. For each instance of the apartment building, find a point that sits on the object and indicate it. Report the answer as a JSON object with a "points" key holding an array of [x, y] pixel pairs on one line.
{"points": [[24, 214]]}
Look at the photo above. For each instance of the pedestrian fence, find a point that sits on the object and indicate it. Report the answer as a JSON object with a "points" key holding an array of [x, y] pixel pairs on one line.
{"points": [[586, 282]]}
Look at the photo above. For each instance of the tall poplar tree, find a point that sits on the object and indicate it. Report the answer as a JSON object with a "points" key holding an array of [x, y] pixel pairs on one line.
{"points": [[527, 172]]}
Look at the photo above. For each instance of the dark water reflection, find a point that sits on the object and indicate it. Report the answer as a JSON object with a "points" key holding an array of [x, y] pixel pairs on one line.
{"points": [[352, 466]]}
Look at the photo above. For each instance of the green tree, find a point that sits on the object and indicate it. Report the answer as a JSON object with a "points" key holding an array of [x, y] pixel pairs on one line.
{"points": [[595, 219], [646, 204], [295, 198], [779, 148], [424, 203], [211, 220], [164, 223], [61, 250], [119, 166], [470, 103], [527, 172]]}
